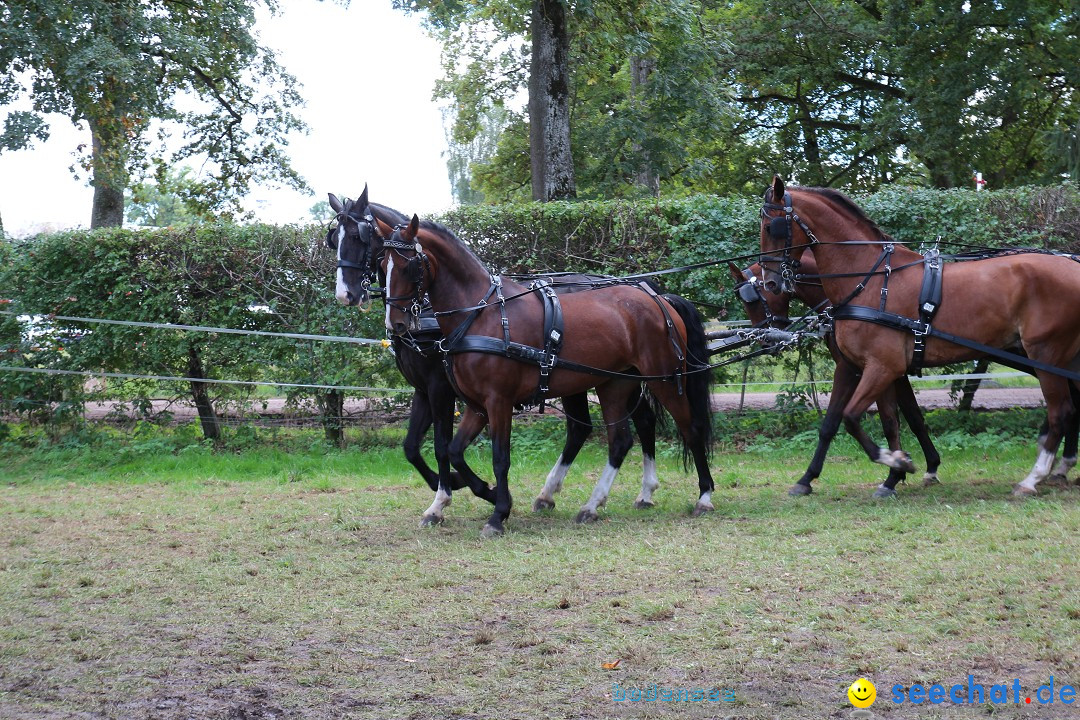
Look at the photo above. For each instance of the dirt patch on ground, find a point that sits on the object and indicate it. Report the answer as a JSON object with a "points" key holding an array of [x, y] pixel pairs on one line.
{"points": [[368, 412]]}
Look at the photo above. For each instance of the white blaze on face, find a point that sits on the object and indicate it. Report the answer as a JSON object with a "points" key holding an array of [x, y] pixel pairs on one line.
{"points": [[342, 291], [389, 274]]}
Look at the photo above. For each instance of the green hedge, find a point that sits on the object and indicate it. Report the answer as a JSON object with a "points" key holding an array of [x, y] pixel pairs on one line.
{"points": [[281, 279]]}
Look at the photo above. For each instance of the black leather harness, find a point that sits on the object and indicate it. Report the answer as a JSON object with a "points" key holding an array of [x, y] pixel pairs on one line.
{"points": [[547, 358]]}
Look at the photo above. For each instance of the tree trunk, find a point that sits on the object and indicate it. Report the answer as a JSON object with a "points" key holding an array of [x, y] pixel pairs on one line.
{"points": [[549, 103], [110, 173], [640, 70], [332, 407], [200, 393]]}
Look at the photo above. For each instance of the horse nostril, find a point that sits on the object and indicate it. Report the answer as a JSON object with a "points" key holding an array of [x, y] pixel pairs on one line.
{"points": [[399, 328]]}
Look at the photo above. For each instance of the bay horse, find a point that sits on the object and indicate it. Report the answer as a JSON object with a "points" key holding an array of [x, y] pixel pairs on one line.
{"points": [[893, 310], [508, 344], [772, 310], [358, 245]]}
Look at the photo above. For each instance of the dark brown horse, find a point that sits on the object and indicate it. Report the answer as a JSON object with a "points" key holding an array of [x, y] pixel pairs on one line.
{"points": [[884, 319], [358, 245], [498, 340], [768, 309]]}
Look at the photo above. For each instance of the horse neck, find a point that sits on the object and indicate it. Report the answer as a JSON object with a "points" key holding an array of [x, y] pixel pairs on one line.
{"points": [[461, 279]]}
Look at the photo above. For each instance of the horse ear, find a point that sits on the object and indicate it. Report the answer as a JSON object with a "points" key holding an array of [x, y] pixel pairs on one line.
{"points": [[777, 188], [736, 273], [363, 201], [335, 203], [383, 229], [409, 233]]}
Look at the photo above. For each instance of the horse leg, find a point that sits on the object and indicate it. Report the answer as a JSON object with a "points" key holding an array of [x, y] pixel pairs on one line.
{"points": [[613, 403], [845, 378], [420, 419], [692, 422], [890, 425], [871, 386], [1067, 461], [500, 415], [470, 426], [442, 400], [644, 419], [578, 429], [909, 406], [1060, 414]]}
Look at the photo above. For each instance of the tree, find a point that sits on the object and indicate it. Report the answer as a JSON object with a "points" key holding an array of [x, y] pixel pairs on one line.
{"points": [[487, 34], [170, 200], [120, 66], [859, 94]]}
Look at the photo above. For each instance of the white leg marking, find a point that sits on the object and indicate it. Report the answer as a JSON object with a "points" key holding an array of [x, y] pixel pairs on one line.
{"points": [[884, 456], [704, 504], [389, 274], [602, 489], [649, 481], [554, 481], [441, 501], [1041, 470]]}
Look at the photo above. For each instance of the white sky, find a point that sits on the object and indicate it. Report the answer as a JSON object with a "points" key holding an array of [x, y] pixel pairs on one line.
{"points": [[392, 138]]}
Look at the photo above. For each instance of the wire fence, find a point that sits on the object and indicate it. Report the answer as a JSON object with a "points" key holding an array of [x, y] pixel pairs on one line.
{"points": [[297, 413]]}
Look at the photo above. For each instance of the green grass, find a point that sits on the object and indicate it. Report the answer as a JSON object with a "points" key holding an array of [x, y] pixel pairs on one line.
{"points": [[287, 580]]}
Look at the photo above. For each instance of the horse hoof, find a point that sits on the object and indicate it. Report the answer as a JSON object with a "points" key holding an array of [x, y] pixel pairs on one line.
{"points": [[930, 480], [798, 490], [586, 516], [904, 462], [1023, 491], [702, 508], [491, 531], [1058, 481], [643, 504], [429, 520], [541, 504], [884, 493]]}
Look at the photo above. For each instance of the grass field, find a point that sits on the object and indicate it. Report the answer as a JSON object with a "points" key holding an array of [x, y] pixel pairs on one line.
{"points": [[143, 583]]}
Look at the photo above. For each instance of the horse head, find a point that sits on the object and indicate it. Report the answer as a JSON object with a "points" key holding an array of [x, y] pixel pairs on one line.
{"points": [[409, 272], [353, 236], [781, 234], [761, 310]]}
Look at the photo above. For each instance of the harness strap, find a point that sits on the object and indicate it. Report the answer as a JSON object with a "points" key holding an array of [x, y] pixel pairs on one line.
{"points": [[899, 322], [679, 356], [929, 302]]}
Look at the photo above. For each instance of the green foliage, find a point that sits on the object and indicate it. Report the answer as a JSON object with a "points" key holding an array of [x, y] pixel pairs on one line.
{"points": [[277, 279], [116, 66], [685, 96]]}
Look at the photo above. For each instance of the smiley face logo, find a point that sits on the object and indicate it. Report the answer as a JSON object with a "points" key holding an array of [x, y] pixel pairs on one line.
{"points": [[862, 693]]}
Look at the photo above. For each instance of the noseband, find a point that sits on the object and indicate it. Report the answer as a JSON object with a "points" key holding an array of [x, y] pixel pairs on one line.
{"points": [[780, 228]]}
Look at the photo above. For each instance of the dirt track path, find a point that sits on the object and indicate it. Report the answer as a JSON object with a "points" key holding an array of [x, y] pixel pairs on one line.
{"points": [[986, 398]]}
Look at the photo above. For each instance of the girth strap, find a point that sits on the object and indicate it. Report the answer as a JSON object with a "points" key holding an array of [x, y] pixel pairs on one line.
{"points": [[929, 302], [899, 322]]}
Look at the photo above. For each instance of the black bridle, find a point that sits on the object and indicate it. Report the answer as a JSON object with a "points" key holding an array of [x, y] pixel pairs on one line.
{"points": [[749, 292], [365, 233], [417, 268], [780, 229]]}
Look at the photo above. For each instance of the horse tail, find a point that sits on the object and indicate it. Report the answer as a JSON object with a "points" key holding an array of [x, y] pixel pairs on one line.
{"points": [[697, 382]]}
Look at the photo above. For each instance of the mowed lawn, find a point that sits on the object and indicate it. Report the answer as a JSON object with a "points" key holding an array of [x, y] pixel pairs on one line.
{"points": [[288, 585]]}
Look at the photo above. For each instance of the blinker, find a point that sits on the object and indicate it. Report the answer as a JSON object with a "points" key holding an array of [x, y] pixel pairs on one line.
{"points": [[748, 293], [778, 228]]}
